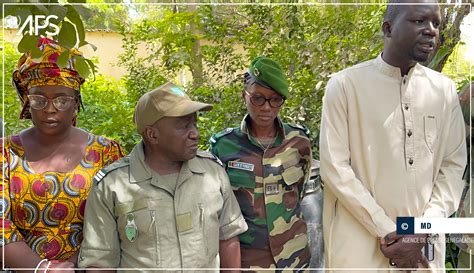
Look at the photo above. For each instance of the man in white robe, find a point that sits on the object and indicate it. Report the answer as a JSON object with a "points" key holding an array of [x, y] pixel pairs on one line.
{"points": [[392, 144]]}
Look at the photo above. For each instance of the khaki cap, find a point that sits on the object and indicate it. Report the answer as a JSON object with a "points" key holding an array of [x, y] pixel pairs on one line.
{"points": [[168, 100]]}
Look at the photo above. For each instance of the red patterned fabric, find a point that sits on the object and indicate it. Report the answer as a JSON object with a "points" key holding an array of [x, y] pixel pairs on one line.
{"points": [[31, 72], [46, 210]]}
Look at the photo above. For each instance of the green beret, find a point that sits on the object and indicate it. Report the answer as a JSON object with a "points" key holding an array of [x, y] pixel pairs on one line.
{"points": [[269, 72]]}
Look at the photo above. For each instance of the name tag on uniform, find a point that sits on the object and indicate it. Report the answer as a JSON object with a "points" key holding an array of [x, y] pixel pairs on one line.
{"points": [[240, 165], [272, 189]]}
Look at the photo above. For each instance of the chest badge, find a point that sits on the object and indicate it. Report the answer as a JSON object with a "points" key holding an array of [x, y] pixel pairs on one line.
{"points": [[131, 229], [240, 165], [272, 189]]}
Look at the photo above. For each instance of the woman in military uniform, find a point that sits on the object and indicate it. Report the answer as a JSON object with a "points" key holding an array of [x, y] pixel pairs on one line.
{"points": [[267, 162]]}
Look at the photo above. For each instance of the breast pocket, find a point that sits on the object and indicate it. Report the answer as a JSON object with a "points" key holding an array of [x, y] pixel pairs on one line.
{"points": [[292, 177], [136, 225], [197, 222], [431, 130], [209, 210]]}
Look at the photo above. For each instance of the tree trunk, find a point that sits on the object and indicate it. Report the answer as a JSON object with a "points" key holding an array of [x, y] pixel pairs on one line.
{"points": [[196, 56], [449, 36]]}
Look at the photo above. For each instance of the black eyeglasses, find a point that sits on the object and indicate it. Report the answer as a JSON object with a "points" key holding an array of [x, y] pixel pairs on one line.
{"points": [[259, 100], [61, 103]]}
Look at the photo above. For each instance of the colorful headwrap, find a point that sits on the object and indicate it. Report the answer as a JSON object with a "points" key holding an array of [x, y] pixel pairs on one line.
{"points": [[44, 70]]}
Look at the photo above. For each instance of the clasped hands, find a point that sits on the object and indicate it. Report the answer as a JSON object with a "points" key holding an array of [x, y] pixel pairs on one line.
{"points": [[404, 251]]}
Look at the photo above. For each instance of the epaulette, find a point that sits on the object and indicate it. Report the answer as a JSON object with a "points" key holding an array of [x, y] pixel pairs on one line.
{"points": [[222, 133], [115, 165], [209, 155], [300, 127]]}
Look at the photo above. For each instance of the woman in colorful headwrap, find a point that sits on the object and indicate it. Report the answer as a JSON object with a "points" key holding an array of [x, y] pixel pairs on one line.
{"points": [[268, 162], [48, 168]]}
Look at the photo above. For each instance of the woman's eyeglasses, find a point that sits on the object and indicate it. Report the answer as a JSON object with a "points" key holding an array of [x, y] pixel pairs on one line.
{"points": [[259, 100], [61, 103]]}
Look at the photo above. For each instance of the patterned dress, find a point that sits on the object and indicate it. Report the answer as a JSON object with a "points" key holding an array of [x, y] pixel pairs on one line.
{"points": [[46, 210]]}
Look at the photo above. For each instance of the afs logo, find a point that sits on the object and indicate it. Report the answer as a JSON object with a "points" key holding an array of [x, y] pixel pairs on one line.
{"points": [[38, 22]]}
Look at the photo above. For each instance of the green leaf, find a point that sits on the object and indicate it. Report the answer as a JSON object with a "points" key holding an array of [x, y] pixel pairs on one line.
{"points": [[91, 66], [42, 9], [67, 35], [36, 53], [84, 43], [81, 66], [27, 43], [440, 54], [63, 58], [23, 15], [75, 18], [93, 46], [59, 11], [84, 12], [9, 9]]}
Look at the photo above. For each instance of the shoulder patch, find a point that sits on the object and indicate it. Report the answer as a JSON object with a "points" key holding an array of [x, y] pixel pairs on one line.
{"points": [[222, 133], [301, 128], [115, 165], [209, 155]]}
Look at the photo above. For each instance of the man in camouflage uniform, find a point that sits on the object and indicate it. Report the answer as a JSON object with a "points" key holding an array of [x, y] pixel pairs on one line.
{"points": [[267, 174]]}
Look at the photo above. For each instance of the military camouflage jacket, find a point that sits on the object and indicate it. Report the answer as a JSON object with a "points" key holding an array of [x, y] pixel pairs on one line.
{"points": [[269, 187]]}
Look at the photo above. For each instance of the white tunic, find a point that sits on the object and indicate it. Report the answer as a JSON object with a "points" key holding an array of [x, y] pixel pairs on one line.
{"points": [[389, 146]]}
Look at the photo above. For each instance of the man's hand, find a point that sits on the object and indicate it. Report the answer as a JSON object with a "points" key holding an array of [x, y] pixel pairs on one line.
{"points": [[404, 251]]}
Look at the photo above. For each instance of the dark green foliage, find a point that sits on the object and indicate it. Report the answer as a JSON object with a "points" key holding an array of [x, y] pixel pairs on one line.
{"points": [[216, 44], [11, 103], [107, 111], [71, 27]]}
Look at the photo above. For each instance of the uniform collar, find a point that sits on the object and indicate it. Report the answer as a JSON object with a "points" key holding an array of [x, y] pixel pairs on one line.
{"points": [[139, 170], [280, 130], [188, 168], [246, 119], [393, 71]]}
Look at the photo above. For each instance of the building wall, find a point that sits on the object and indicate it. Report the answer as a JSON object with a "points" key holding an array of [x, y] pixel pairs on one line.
{"points": [[109, 47]]}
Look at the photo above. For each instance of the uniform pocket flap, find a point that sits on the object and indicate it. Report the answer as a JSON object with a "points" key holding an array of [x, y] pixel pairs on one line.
{"points": [[241, 179], [292, 175], [127, 207]]}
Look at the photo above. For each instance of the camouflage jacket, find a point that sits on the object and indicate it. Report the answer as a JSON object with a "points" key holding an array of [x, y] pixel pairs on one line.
{"points": [[269, 187]]}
